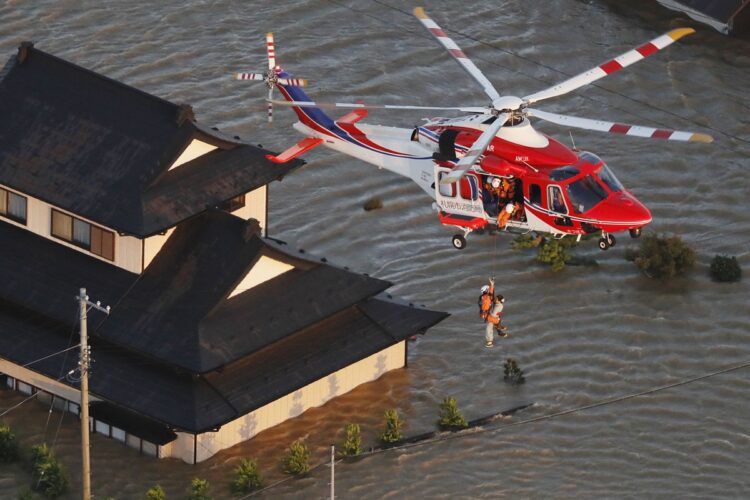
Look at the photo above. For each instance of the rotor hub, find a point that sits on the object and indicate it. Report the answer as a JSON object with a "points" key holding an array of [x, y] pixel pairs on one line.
{"points": [[508, 103]]}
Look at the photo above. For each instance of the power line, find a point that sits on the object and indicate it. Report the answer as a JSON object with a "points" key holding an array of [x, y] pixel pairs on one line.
{"points": [[50, 355], [475, 432]]}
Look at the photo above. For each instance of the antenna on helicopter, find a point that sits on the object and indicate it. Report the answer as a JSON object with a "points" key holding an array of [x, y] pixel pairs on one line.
{"points": [[572, 140]]}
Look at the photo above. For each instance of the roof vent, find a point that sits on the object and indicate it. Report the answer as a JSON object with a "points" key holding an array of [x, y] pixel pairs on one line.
{"points": [[185, 113], [23, 51]]}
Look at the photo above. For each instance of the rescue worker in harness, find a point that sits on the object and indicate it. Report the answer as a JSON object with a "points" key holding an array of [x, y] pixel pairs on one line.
{"points": [[490, 310]]}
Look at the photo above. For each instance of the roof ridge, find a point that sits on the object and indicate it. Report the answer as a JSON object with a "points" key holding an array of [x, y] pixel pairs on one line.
{"points": [[104, 78]]}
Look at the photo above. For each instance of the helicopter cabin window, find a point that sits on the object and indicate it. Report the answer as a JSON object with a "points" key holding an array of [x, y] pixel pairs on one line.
{"points": [[535, 194], [556, 201], [585, 193], [448, 190]]}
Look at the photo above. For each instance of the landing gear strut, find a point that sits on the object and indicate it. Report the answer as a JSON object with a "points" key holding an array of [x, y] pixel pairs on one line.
{"points": [[459, 240], [606, 241]]}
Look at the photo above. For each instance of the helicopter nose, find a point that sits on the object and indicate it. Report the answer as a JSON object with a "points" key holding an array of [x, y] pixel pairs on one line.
{"points": [[620, 212], [633, 211]]}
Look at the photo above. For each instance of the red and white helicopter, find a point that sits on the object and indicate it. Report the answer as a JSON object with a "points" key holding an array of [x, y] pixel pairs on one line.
{"points": [[460, 162]]}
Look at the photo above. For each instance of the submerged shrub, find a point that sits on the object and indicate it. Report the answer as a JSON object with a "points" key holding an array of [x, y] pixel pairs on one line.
{"points": [[47, 473], [725, 269], [512, 373], [246, 477], [393, 424], [297, 460], [199, 490], [156, 493], [664, 257], [8, 444], [373, 204], [353, 443], [450, 415]]}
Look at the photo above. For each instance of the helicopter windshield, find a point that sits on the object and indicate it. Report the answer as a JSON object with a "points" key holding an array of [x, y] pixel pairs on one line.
{"points": [[585, 193], [608, 178]]}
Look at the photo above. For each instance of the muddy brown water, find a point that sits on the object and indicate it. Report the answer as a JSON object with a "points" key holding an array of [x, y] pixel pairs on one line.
{"points": [[586, 334]]}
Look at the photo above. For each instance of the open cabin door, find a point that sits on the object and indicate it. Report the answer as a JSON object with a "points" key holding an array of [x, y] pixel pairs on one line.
{"points": [[459, 203]]}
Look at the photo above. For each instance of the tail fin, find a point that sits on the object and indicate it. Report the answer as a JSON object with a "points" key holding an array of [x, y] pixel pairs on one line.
{"points": [[305, 115]]}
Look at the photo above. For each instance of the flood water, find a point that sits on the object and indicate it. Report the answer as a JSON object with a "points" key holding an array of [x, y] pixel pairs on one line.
{"points": [[582, 335]]}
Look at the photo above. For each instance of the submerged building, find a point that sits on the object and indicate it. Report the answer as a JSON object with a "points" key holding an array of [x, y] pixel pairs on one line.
{"points": [[216, 331], [725, 16]]}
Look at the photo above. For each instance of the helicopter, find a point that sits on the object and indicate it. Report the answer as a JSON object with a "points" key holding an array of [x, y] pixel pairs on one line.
{"points": [[489, 169]]}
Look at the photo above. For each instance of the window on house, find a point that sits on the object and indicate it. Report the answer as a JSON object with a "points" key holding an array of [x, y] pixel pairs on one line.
{"points": [[13, 206], [80, 233], [234, 203]]}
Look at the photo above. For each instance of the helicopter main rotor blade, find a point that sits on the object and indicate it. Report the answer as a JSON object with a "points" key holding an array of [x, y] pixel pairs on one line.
{"points": [[251, 76], [476, 149], [331, 105], [609, 67], [619, 128], [454, 50], [270, 50]]}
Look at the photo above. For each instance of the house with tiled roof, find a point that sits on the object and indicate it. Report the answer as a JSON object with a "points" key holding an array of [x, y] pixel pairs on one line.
{"points": [[106, 187]]}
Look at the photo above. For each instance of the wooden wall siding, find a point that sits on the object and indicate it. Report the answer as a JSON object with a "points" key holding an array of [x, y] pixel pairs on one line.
{"points": [[194, 150], [39, 221], [265, 269], [294, 404], [255, 207]]}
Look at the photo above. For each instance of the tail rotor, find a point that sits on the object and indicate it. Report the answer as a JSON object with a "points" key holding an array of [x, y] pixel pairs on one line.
{"points": [[271, 76]]}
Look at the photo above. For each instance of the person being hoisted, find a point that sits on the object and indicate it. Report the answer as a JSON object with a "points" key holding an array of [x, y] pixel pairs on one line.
{"points": [[490, 310]]}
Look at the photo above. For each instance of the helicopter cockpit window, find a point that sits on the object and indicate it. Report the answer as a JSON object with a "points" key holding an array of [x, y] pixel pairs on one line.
{"points": [[606, 175], [585, 193], [556, 202], [562, 173], [590, 157], [448, 190]]}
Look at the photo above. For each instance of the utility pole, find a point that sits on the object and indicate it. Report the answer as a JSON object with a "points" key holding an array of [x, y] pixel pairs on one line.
{"points": [[84, 364], [333, 475]]}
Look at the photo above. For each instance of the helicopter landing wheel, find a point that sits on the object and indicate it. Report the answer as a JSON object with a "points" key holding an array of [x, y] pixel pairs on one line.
{"points": [[603, 244], [611, 240], [635, 233], [459, 242]]}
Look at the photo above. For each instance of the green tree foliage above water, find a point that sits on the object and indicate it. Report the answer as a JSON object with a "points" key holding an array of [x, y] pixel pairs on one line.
{"points": [[297, 460], [552, 251], [725, 269], [450, 416], [393, 425], [662, 257], [247, 478], [198, 490], [47, 473], [156, 493], [353, 443], [512, 373], [8, 444]]}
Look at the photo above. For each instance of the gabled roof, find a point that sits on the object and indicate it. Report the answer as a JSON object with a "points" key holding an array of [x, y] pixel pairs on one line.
{"points": [[179, 311], [101, 149]]}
